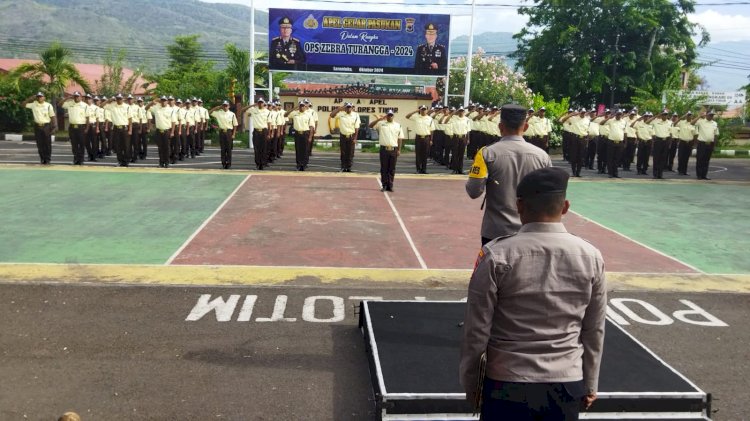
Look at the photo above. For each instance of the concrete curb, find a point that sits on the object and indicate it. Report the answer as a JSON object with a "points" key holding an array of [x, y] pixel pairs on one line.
{"points": [[733, 152]]}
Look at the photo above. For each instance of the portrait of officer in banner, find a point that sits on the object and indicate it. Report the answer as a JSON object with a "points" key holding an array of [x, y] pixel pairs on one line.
{"points": [[286, 52], [432, 58]]}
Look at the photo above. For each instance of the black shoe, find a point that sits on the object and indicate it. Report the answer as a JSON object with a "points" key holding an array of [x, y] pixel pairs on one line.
{"points": [[342, 170], [390, 189], [382, 189]]}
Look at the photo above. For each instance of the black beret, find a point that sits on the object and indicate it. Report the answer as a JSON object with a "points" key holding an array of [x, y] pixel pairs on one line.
{"points": [[513, 114], [543, 181]]}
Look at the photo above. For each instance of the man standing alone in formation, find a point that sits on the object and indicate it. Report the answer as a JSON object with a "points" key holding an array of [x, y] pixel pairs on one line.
{"points": [[348, 123], [44, 125], [391, 138], [423, 127], [227, 122]]}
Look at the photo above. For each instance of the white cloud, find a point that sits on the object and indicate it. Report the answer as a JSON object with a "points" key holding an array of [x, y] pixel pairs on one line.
{"points": [[723, 27]]}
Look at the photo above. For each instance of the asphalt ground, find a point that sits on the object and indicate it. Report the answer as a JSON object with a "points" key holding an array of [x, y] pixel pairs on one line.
{"points": [[143, 353], [12, 152]]}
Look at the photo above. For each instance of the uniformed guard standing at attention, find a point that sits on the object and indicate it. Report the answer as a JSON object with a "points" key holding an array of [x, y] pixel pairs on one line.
{"points": [[146, 118], [579, 127], [593, 137], [303, 125], [348, 123], [674, 138], [687, 140], [260, 114], [645, 134], [390, 138], [431, 57], [423, 127], [286, 52], [498, 168], [471, 147], [100, 141], [449, 139], [535, 314], [76, 124], [615, 145], [190, 123], [91, 130], [174, 139], [135, 130], [631, 141], [460, 125], [438, 135], [227, 122], [164, 121], [107, 125], [566, 134], [601, 146], [121, 130], [662, 132], [44, 125], [707, 130], [182, 129]]}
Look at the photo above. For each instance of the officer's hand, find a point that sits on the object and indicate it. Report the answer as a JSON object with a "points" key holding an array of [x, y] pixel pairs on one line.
{"points": [[130, 132], [588, 400], [290, 62], [433, 66]]}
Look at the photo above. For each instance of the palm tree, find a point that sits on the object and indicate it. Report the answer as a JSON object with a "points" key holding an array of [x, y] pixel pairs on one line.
{"points": [[238, 69], [55, 68]]}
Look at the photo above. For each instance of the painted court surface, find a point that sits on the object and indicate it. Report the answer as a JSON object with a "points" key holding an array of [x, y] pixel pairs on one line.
{"points": [[152, 217]]}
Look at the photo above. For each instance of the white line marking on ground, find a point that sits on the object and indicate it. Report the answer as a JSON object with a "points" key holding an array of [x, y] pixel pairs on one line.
{"points": [[203, 225], [403, 228], [722, 169], [639, 243]]}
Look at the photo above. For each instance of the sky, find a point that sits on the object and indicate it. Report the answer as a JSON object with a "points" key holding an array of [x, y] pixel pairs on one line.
{"points": [[725, 23]]}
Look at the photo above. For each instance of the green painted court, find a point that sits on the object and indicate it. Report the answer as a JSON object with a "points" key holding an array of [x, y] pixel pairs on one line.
{"points": [[141, 217]]}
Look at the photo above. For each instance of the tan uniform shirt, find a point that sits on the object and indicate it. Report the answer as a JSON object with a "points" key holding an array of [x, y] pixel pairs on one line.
{"points": [[163, 117], [143, 114], [120, 114], [616, 129], [91, 113], [134, 114], [42, 113], [537, 325], [494, 125], [603, 128], [389, 133], [499, 168], [423, 124], [643, 130], [181, 116], [348, 122], [76, 112], [225, 119], [190, 116], [100, 117], [259, 117], [301, 121], [461, 125], [686, 130], [533, 130], [707, 130], [662, 128]]}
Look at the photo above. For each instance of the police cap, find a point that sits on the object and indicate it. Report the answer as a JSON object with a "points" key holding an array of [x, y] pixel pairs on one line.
{"points": [[513, 114], [422, 107], [389, 112], [163, 98], [38, 94], [285, 21], [547, 180], [431, 27]]}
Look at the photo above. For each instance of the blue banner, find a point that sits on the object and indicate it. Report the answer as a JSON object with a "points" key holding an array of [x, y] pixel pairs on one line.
{"points": [[358, 42]]}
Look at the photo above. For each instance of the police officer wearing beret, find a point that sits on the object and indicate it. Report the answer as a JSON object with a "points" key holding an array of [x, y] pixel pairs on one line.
{"points": [[535, 310], [498, 168], [286, 52], [432, 58]]}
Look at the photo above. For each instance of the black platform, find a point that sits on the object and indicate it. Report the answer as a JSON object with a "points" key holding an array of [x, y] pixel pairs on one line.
{"points": [[413, 348]]}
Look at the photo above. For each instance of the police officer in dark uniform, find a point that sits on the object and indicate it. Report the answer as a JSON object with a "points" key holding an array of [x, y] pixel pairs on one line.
{"points": [[286, 52], [432, 58]]}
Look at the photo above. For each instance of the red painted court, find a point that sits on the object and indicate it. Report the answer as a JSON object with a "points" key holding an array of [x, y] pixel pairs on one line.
{"points": [[345, 221]]}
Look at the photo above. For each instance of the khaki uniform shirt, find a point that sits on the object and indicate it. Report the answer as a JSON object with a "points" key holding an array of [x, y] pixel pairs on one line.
{"points": [[643, 130], [707, 130], [499, 168], [163, 117], [447, 126], [603, 128], [143, 114], [280, 119], [389, 133], [259, 117], [91, 113], [181, 115], [531, 130], [100, 117], [226, 119], [348, 122], [494, 125], [423, 124], [301, 121], [629, 129], [461, 125], [190, 116], [686, 130], [133, 114], [42, 113], [537, 325], [662, 128], [616, 129], [120, 114], [76, 111]]}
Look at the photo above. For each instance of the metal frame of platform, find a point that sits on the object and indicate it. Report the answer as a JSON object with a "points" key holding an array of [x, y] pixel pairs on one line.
{"points": [[643, 405]]}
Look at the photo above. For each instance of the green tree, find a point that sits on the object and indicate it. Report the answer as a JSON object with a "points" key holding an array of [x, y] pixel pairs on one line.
{"points": [[55, 68], [185, 53], [13, 117], [190, 76], [112, 81], [492, 82], [238, 69], [601, 51]]}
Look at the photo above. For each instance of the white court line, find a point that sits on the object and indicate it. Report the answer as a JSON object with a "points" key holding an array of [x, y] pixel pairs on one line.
{"points": [[638, 242], [403, 228], [203, 225]]}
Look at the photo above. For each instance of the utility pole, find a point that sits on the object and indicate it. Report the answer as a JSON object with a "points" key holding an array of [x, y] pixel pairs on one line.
{"points": [[614, 73]]}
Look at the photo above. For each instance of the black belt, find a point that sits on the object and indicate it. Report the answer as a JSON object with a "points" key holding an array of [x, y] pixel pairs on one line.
{"points": [[120, 127], [389, 148], [261, 130], [306, 131], [74, 126], [41, 124], [162, 131]]}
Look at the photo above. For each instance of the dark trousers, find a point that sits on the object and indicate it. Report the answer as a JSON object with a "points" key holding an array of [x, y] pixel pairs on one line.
{"points": [[629, 153], [76, 142], [459, 145], [601, 154], [644, 152], [135, 142], [685, 149], [191, 148], [448, 142], [226, 144], [438, 138], [566, 136], [588, 162], [182, 143], [705, 150], [300, 149], [144, 141], [174, 147], [90, 143], [421, 148], [388, 166], [531, 401], [280, 142], [43, 142], [660, 151], [346, 145], [121, 144], [260, 147], [109, 137], [472, 146], [576, 151], [101, 141], [671, 153], [614, 155], [200, 140], [162, 143]]}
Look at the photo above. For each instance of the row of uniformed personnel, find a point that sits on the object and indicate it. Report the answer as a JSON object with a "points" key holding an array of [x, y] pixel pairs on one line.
{"points": [[615, 138]]}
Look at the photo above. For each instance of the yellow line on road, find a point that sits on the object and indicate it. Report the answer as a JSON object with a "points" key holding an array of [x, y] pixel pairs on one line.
{"points": [[304, 276]]}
